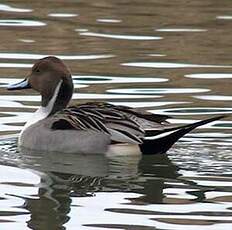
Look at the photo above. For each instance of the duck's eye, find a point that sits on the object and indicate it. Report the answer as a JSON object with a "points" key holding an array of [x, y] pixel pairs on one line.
{"points": [[37, 70]]}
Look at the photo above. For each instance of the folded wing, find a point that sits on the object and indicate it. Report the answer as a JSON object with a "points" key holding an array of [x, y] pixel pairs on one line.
{"points": [[125, 125]]}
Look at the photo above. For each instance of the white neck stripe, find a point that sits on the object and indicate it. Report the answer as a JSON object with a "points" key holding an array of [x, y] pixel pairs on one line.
{"points": [[49, 107]]}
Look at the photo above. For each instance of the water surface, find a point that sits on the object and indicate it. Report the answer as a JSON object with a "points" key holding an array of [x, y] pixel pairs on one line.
{"points": [[168, 57]]}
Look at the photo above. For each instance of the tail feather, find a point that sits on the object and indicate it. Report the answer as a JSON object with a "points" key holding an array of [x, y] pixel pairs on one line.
{"points": [[160, 141]]}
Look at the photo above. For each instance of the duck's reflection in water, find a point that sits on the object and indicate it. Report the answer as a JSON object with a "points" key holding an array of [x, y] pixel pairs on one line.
{"points": [[65, 176]]}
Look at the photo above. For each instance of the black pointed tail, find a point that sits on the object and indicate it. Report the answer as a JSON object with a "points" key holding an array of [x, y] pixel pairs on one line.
{"points": [[161, 141]]}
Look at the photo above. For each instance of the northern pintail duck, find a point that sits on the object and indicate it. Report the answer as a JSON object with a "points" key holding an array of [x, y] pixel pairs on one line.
{"points": [[89, 128]]}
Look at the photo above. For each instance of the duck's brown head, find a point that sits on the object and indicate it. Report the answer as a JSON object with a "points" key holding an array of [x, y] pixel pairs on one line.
{"points": [[46, 75]]}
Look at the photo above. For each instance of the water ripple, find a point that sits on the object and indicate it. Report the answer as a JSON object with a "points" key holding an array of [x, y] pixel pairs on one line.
{"points": [[214, 97], [209, 75], [148, 104], [62, 15], [157, 55], [197, 111], [10, 104], [111, 79], [8, 8], [20, 22], [120, 36], [15, 65], [107, 20], [225, 17], [180, 30], [27, 56], [27, 40], [216, 124], [168, 65], [157, 90]]}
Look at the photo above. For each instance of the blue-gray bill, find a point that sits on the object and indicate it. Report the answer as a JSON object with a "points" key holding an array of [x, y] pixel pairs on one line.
{"points": [[20, 85]]}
